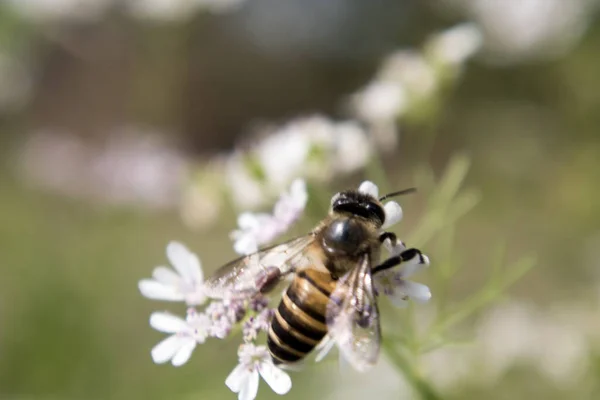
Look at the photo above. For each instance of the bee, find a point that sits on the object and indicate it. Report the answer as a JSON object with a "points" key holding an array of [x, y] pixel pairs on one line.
{"points": [[331, 291]]}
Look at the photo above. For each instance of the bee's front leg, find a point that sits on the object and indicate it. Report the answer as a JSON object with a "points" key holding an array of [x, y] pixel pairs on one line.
{"points": [[405, 256], [392, 241]]}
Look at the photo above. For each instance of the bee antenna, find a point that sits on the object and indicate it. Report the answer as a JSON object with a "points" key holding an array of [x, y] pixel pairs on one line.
{"points": [[398, 193]]}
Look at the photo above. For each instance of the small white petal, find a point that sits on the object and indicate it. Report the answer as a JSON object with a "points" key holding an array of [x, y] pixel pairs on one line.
{"points": [[158, 291], [248, 221], [249, 389], [168, 323], [393, 214], [398, 299], [237, 378], [411, 267], [416, 291], [166, 349], [165, 275], [187, 346], [184, 261], [278, 380], [368, 187], [298, 191], [394, 249], [245, 244]]}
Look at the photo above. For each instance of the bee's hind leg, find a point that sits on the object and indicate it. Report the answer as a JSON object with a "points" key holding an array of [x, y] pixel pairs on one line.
{"points": [[268, 279], [405, 256]]}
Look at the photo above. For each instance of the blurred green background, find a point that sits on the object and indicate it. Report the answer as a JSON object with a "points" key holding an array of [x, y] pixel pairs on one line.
{"points": [[525, 112]]}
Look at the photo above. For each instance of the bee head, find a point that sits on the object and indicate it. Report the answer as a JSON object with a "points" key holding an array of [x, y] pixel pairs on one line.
{"points": [[359, 204]]}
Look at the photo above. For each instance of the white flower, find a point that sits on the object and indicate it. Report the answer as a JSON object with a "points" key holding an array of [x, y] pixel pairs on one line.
{"points": [[257, 229], [394, 284], [186, 334], [185, 285], [380, 101], [528, 29], [455, 45], [255, 360], [411, 70], [393, 211], [353, 149]]}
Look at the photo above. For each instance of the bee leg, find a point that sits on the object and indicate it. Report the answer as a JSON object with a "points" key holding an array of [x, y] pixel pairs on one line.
{"points": [[391, 236], [405, 256], [268, 279]]}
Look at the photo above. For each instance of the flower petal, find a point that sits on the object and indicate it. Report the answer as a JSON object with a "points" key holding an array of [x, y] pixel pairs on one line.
{"points": [[165, 275], [416, 291], [168, 323], [399, 299], [394, 249], [237, 378], [185, 262], [368, 187], [278, 380], [184, 353], [245, 244], [393, 214], [413, 266], [159, 291], [249, 388], [298, 193], [166, 349], [248, 221]]}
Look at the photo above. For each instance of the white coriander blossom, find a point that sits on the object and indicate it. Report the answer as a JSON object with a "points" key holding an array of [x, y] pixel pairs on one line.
{"points": [[254, 361], [457, 44], [256, 229], [183, 284], [411, 70], [380, 101], [186, 334], [313, 147], [393, 282]]}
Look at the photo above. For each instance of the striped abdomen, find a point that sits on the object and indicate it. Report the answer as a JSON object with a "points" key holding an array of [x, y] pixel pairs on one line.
{"points": [[299, 321]]}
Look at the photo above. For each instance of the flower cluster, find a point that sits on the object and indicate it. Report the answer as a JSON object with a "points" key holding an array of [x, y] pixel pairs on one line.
{"points": [[313, 147], [252, 315], [408, 79], [185, 283], [257, 229]]}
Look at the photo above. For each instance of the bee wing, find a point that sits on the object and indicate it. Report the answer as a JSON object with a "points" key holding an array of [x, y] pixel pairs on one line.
{"points": [[353, 317], [242, 276]]}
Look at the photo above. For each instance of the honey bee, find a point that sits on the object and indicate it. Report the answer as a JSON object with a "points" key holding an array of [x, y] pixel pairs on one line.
{"points": [[331, 292]]}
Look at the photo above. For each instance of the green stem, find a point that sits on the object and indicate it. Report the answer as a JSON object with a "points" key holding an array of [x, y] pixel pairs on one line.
{"points": [[420, 386]]}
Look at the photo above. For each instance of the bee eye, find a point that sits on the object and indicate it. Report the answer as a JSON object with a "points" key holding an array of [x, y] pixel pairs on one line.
{"points": [[376, 210]]}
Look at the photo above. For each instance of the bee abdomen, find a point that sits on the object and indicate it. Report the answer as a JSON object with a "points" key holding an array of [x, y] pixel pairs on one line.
{"points": [[299, 321]]}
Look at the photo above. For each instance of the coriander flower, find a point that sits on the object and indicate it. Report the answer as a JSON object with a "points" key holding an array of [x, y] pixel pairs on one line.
{"points": [[457, 44], [255, 360], [256, 229], [380, 101], [393, 282], [184, 285], [186, 334]]}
